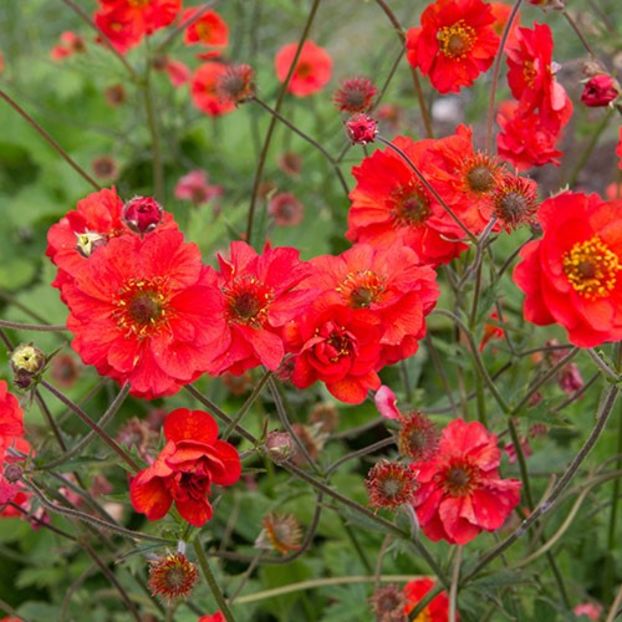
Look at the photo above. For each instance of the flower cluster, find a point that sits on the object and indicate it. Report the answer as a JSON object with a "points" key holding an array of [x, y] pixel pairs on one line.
{"points": [[532, 125]]}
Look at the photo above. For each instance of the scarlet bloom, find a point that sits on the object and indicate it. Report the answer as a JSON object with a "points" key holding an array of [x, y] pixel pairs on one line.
{"points": [[465, 178], [340, 346], [210, 29], [592, 611], [355, 95], [438, 608], [454, 44], [138, 312], [460, 491], [524, 140], [192, 460], [389, 283], [259, 295], [312, 72], [571, 275], [600, 90], [532, 79], [70, 44], [172, 576], [205, 92], [501, 12], [126, 22], [195, 187], [286, 209], [391, 207], [213, 617]]}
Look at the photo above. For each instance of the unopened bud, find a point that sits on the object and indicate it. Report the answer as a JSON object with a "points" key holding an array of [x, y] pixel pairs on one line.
{"points": [[279, 446], [361, 129], [13, 473], [88, 242], [142, 214], [27, 361]]}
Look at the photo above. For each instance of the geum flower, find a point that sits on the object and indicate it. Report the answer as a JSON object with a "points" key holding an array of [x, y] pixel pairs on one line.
{"points": [[192, 460], [531, 76], [259, 294], [126, 22], [312, 72], [391, 207], [339, 346], [389, 283], [454, 44], [572, 275], [139, 312], [460, 490]]}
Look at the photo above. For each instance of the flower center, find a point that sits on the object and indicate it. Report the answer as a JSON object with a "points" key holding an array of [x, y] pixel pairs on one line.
{"points": [[424, 616], [457, 40], [204, 31], [361, 289], [411, 206], [137, 4], [591, 267], [304, 70], [459, 479], [249, 302], [141, 307], [480, 178], [529, 73], [339, 345]]}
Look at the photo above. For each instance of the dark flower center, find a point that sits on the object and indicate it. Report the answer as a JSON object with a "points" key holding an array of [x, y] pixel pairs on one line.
{"points": [[145, 308], [457, 40], [459, 479], [480, 179]]}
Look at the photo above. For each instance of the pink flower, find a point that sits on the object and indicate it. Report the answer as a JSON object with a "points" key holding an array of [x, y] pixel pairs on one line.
{"points": [[386, 403], [195, 187], [590, 610]]}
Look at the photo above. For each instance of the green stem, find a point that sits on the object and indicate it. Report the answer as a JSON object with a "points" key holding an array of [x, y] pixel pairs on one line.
{"points": [[277, 108], [211, 580], [152, 123]]}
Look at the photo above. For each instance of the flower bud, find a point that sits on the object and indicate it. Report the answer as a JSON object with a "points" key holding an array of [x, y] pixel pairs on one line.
{"points": [[361, 129], [599, 91], [279, 446], [142, 214], [27, 362], [88, 242], [13, 473]]}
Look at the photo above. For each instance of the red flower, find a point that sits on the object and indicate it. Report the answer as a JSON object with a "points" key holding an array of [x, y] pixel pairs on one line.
{"points": [[341, 347], [572, 274], [454, 44], [525, 140], [501, 13], [390, 206], [70, 44], [438, 608], [460, 492], [465, 178], [600, 90], [204, 90], [388, 283], [619, 148], [178, 72], [192, 460], [96, 219], [260, 294], [11, 417], [210, 29], [532, 80], [213, 617], [139, 310], [126, 22], [313, 69]]}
